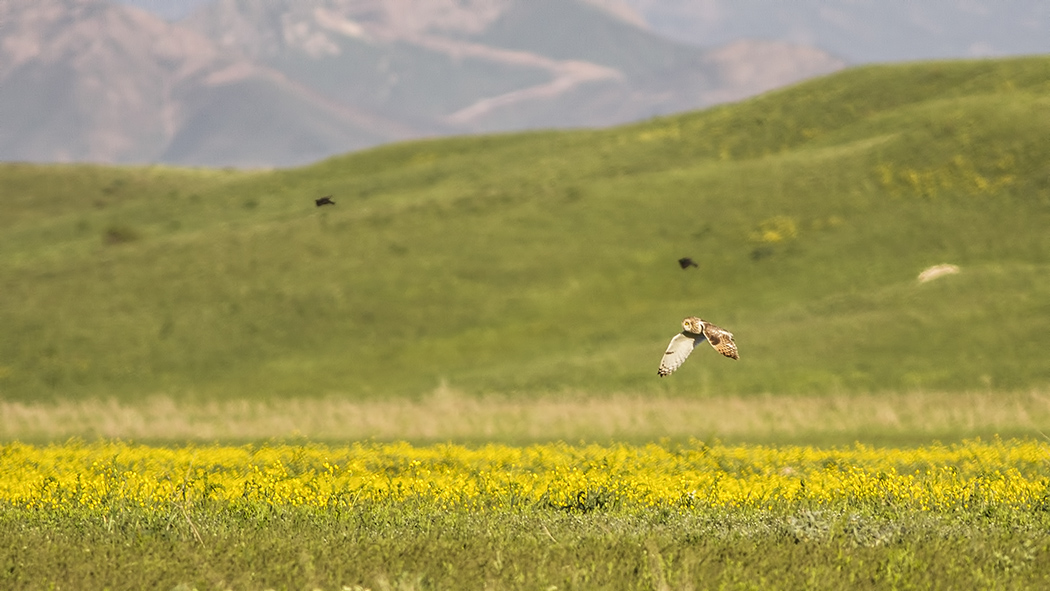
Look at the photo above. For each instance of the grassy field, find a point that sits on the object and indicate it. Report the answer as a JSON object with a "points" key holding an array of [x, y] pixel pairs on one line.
{"points": [[489, 299], [544, 263], [970, 515], [109, 515]]}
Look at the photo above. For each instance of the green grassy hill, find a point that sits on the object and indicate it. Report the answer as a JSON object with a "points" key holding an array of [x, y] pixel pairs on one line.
{"points": [[541, 263]]}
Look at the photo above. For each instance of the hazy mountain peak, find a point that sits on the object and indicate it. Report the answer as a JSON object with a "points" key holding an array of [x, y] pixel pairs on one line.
{"points": [[409, 17], [279, 82], [314, 27], [94, 33], [621, 10], [87, 79]]}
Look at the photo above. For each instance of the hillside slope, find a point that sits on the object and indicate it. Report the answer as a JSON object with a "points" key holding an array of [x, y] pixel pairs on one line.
{"points": [[540, 263]]}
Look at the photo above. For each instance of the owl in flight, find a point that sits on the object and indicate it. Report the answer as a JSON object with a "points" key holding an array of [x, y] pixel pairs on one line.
{"points": [[694, 332]]}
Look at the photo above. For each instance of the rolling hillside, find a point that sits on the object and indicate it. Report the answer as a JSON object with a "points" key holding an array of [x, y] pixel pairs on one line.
{"points": [[545, 263]]}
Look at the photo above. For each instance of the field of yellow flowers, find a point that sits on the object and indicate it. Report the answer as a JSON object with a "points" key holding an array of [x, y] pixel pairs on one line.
{"points": [[372, 515], [96, 477]]}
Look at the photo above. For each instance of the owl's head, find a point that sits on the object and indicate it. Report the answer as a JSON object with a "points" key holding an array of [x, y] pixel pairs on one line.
{"points": [[693, 325]]}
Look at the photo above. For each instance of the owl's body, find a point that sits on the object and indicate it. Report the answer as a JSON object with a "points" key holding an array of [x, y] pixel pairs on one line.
{"points": [[694, 332]]}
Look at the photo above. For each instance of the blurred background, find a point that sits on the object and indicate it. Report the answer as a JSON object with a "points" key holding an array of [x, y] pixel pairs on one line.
{"points": [[262, 83]]}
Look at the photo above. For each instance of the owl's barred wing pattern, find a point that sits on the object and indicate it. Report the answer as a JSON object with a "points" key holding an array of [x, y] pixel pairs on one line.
{"points": [[721, 340], [695, 330], [677, 351]]}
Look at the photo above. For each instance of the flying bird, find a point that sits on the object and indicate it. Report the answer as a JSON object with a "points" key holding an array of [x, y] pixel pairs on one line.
{"points": [[326, 200], [687, 262], [694, 332]]}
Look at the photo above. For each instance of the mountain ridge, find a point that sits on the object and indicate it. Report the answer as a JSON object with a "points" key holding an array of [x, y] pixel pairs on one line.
{"points": [[259, 84]]}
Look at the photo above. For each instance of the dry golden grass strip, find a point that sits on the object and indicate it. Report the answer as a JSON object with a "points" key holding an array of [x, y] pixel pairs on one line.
{"points": [[446, 415]]}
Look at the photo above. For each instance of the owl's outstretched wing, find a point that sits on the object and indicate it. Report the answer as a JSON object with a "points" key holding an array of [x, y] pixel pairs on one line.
{"points": [[680, 348], [721, 340]]}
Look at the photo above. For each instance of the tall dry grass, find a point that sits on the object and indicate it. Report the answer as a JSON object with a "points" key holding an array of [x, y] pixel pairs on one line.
{"points": [[447, 415]]}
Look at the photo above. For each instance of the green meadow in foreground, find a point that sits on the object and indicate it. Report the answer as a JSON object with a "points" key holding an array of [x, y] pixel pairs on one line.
{"points": [[109, 515], [389, 547], [546, 262]]}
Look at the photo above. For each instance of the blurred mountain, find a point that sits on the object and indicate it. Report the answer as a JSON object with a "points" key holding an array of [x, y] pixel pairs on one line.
{"points": [[90, 80], [282, 82], [862, 30], [859, 31]]}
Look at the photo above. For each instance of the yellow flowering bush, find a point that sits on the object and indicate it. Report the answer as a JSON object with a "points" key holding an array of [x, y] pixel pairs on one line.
{"points": [[972, 475]]}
